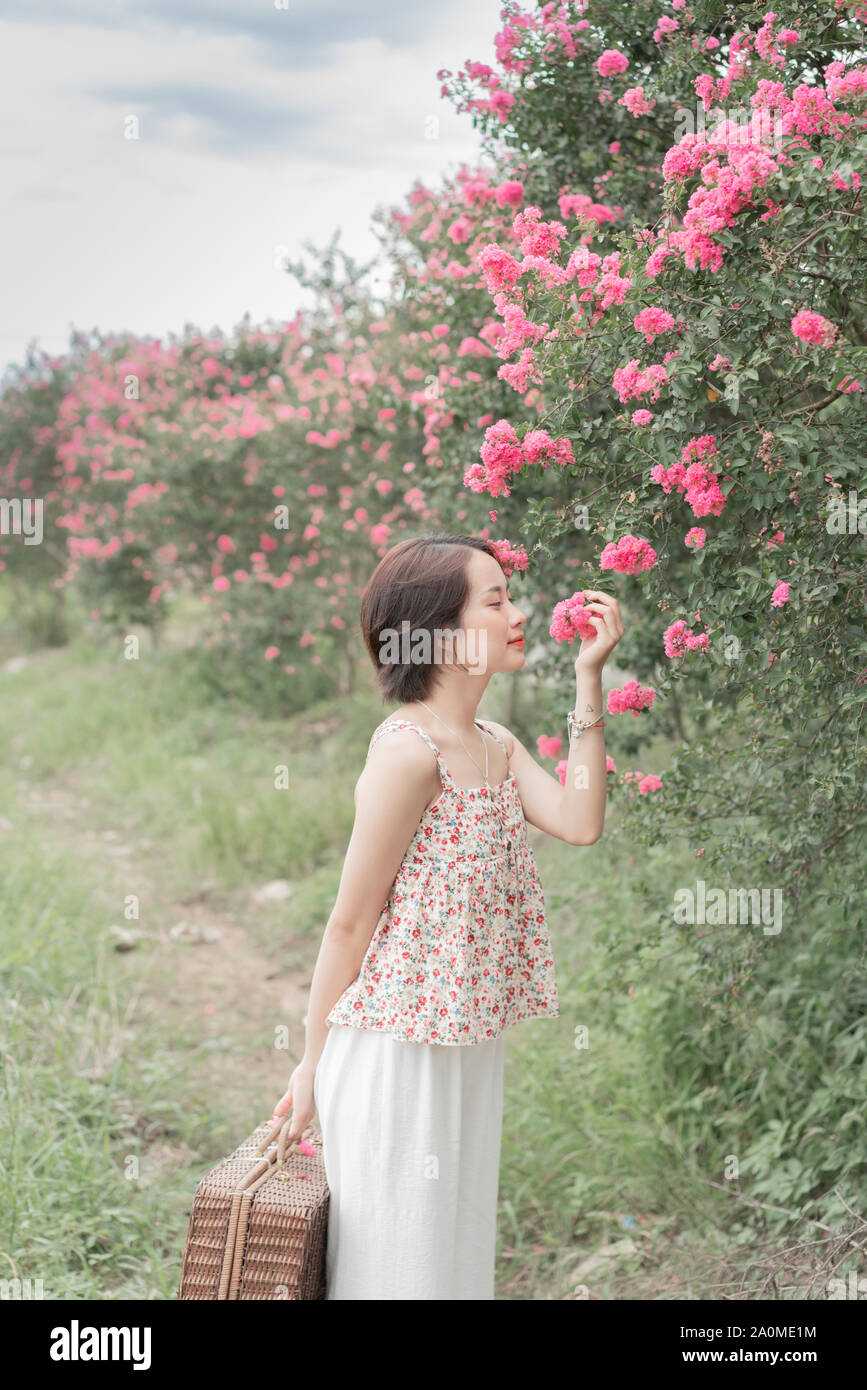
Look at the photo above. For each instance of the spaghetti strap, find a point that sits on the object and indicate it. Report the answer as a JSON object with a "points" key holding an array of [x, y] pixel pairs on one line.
{"points": [[446, 777], [483, 725]]}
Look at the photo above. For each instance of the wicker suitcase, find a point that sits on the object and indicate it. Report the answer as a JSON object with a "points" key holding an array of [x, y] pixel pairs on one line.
{"points": [[258, 1230]]}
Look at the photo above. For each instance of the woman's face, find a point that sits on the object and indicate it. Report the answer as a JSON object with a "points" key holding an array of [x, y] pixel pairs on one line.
{"points": [[490, 619]]}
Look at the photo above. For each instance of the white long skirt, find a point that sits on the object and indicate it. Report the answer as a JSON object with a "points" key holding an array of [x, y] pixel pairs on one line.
{"points": [[411, 1136]]}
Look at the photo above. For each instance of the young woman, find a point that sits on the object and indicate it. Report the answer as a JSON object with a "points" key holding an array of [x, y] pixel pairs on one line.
{"points": [[409, 1001]]}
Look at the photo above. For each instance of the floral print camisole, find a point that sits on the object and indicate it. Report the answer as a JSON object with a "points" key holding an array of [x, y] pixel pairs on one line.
{"points": [[461, 950]]}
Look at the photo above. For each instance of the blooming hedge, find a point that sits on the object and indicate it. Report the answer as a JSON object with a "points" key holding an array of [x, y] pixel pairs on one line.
{"points": [[631, 348]]}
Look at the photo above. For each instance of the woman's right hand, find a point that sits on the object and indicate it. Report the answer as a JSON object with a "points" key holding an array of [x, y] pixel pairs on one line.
{"points": [[298, 1095]]}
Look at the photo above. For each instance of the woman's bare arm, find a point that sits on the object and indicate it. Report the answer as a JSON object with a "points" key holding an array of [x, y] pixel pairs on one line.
{"points": [[397, 782]]}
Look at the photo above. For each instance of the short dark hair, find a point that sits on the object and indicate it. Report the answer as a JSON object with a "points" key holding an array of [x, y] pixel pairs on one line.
{"points": [[422, 582]]}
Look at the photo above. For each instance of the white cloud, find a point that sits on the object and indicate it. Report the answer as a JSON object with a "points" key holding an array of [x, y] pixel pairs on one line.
{"points": [[244, 146]]}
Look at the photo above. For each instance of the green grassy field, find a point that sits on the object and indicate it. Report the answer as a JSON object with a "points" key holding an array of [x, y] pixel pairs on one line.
{"points": [[128, 1073]]}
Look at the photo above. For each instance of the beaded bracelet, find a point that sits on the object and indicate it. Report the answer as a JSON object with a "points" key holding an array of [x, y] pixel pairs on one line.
{"points": [[576, 728]]}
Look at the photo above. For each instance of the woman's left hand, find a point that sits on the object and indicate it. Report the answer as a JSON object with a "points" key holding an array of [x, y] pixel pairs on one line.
{"points": [[605, 611]]}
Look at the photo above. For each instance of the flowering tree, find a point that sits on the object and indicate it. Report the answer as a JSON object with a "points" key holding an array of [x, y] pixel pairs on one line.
{"points": [[683, 308]]}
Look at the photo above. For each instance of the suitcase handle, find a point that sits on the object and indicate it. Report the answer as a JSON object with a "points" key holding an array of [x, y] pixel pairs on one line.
{"points": [[279, 1132]]}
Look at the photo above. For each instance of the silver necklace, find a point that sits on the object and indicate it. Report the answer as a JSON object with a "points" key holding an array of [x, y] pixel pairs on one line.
{"points": [[497, 806], [461, 742]]}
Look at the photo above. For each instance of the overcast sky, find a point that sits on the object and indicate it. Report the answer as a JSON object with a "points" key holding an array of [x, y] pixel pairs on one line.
{"points": [[259, 128]]}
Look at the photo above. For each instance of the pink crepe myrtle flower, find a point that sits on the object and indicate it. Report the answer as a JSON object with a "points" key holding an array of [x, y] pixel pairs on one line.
{"points": [[610, 62], [610, 765], [271, 652], [780, 595], [678, 639], [813, 328], [692, 476], [632, 380], [500, 271], [570, 617], [650, 783], [502, 457], [539, 447], [535, 236], [665, 25], [695, 537], [636, 103], [548, 747], [642, 417], [510, 193], [632, 697], [629, 555], [652, 321], [719, 364], [841, 184], [510, 557]]}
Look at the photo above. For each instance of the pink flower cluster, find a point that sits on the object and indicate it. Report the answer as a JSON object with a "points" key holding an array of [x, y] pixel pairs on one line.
{"points": [[719, 364], [665, 25], [641, 417], [632, 697], [813, 328], [570, 617], [611, 61], [678, 638], [535, 237], [650, 783], [780, 595], [652, 321], [548, 747], [766, 43], [691, 476], [695, 537], [632, 380], [636, 103], [503, 456], [499, 269], [582, 205], [733, 159], [630, 555], [539, 447], [511, 557]]}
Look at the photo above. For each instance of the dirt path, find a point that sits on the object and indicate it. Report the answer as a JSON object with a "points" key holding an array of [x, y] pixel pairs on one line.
{"points": [[204, 973]]}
